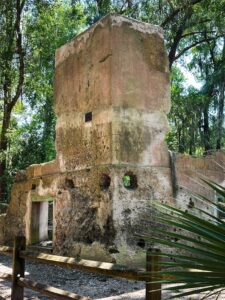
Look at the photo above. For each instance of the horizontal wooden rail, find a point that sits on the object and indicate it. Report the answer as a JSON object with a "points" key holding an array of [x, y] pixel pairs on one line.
{"points": [[6, 250], [103, 268], [6, 276], [49, 290]]}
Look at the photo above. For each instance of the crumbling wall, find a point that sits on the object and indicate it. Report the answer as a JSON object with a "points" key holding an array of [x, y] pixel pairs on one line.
{"points": [[189, 171], [36, 180], [83, 215]]}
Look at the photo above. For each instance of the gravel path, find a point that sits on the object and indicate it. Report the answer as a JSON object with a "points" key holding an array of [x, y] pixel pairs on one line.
{"points": [[82, 283]]}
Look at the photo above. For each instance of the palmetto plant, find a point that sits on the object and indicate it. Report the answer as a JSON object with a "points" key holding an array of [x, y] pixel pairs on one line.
{"points": [[196, 263]]}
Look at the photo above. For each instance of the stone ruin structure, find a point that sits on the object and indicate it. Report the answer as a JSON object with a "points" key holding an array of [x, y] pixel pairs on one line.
{"points": [[112, 96]]}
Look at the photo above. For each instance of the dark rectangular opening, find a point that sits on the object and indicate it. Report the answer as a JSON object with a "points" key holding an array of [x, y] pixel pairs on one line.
{"points": [[88, 117]]}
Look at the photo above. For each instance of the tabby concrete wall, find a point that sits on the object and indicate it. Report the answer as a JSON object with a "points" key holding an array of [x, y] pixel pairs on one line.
{"points": [[190, 170], [123, 87]]}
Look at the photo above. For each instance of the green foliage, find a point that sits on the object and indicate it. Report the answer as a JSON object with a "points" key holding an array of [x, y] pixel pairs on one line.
{"points": [[194, 117], [47, 29], [127, 181], [48, 26], [30, 135], [185, 116], [209, 62], [194, 243]]}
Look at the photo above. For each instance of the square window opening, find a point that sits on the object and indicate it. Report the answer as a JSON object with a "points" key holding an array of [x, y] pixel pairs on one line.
{"points": [[88, 117]]}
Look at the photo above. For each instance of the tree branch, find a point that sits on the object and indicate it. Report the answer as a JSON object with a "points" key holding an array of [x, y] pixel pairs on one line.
{"points": [[19, 8], [129, 4], [178, 37], [176, 11], [195, 32], [122, 8], [195, 44], [211, 50], [171, 4]]}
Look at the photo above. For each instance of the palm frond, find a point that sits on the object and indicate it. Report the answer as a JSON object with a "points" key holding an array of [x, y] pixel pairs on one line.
{"points": [[197, 242]]}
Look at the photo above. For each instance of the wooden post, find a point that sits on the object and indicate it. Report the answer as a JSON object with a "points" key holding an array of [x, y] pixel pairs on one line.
{"points": [[18, 268], [152, 266]]}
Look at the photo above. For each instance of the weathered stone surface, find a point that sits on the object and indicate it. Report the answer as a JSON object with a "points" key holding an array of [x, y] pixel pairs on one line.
{"points": [[40, 170], [130, 206], [189, 172], [138, 138], [189, 169], [124, 84], [83, 212], [21, 176]]}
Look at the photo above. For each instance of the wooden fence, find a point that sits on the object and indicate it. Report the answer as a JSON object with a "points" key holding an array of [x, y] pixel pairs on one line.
{"points": [[19, 282]]}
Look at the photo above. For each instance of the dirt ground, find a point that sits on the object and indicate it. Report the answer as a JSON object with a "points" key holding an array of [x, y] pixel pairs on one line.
{"points": [[85, 284]]}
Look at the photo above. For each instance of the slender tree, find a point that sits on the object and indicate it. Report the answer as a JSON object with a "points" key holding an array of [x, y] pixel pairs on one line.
{"points": [[11, 74]]}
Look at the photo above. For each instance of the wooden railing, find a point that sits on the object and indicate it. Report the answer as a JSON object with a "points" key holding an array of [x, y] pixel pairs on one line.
{"points": [[19, 282]]}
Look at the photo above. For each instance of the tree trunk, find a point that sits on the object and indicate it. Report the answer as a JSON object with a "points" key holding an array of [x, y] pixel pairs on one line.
{"points": [[178, 37], [15, 50], [220, 114], [3, 149], [221, 102], [192, 139], [206, 128]]}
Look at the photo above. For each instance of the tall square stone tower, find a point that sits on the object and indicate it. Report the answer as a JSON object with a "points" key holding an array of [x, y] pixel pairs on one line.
{"points": [[111, 99]]}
